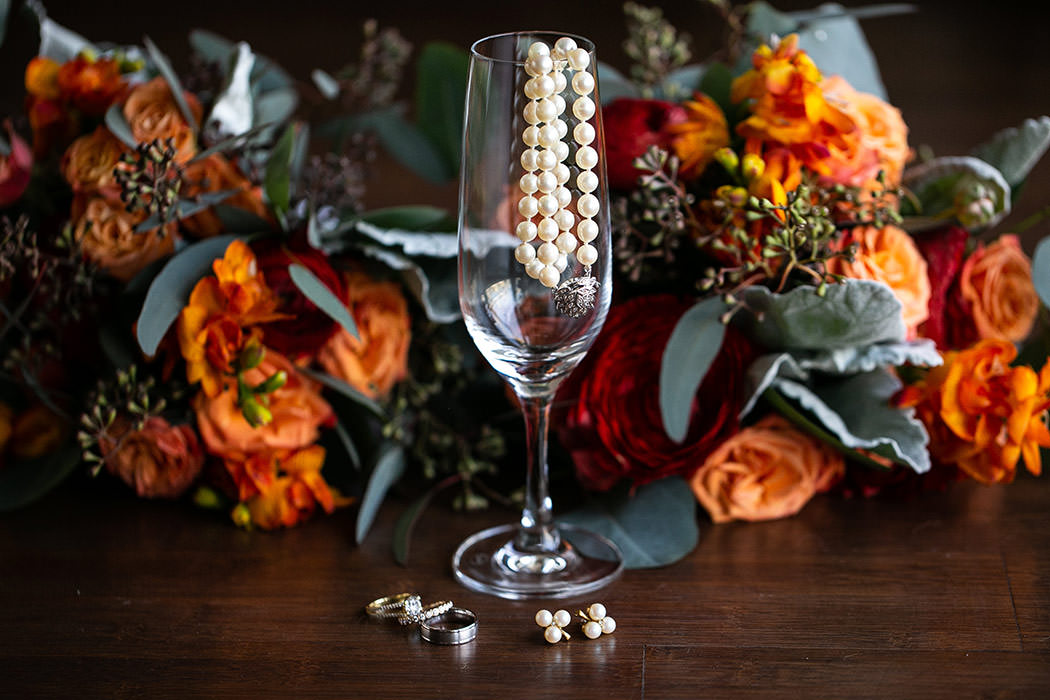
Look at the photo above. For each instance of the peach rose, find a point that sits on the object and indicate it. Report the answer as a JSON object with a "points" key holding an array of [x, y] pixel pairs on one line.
{"points": [[298, 411], [764, 472], [152, 113], [89, 162], [159, 461], [213, 174], [376, 362], [889, 255], [996, 284], [106, 233]]}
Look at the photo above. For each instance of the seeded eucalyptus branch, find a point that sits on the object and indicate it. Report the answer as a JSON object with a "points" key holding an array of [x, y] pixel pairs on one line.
{"points": [[150, 179], [655, 47]]}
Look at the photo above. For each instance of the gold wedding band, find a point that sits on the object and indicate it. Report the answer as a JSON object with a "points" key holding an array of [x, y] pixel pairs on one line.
{"points": [[390, 606]]}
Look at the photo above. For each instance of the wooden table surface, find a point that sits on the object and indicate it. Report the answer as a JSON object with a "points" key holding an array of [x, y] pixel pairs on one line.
{"points": [[944, 595]]}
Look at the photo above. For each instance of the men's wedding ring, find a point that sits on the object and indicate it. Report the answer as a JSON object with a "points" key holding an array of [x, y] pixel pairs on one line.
{"points": [[391, 605], [414, 612], [455, 626]]}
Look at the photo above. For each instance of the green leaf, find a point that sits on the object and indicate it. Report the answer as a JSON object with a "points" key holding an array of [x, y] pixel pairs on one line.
{"points": [[276, 106], [345, 389], [230, 142], [118, 126], [277, 181], [22, 482], [390, 466], [164, 66], [1041, 270], [316, 291], [654, 526], [266, 75], [57, 42], [441, 92], [171, 289], [716, 84], [408, 145], [406, 522], [612, 84], [348, 444], [241, 221], [186, 208], [682, 83], [326, 84], [1015, 151], [693, 345], [412, 218]]}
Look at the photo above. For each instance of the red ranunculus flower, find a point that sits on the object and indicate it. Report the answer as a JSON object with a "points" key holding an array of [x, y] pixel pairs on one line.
{"points": [[614, 429], [631, 127], [308, 327], [948, 325], [15, 168]]}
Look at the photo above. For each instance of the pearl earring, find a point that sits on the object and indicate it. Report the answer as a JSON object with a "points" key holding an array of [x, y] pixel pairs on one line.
{"points": [[554, 624], [596, 622]]}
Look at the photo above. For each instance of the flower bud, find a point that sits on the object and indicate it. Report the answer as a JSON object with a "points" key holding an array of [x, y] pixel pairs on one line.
{"points": [[752, 166]]}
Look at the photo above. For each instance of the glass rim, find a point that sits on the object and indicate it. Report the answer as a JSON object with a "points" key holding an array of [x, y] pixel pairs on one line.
{"points": [[581, 41]]}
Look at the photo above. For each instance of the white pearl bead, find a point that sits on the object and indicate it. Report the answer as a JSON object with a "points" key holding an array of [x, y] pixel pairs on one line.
{"points": [[552, 634], [531, 136], [562, 263], [529, 158], [543, 64], [549, 276], [587, 254], [559, 81], [562, 172], [583, 83], [538, 48], [546, 110], [561, 126], [566, 242], [596, 611], [586, 157], [533, 267], [547, 253], [592, 630], [608, 625], [561, 151], [544, 86], [531, 67], [524, 253], [547, 181], [587, 231], [526, 231], [579, 59], [547, 230], [528, 183], [546, 160], [583, 133], [562, 618], [559, 105], [565, 45], [583, 108], [564, 197], [587, 181], [530, 113], [544, 618], [548, 136], [565, 219], [587, 205], [532, 89], [548, 205], [528, 206]]}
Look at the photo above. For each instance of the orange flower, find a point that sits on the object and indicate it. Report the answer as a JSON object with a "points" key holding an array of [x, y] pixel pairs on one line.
{"points": [[695, 141], [106, 233], [764, 472], [297, 407], [286, 487], [159, 461], [220, 306], [42, 78], [90, 85], [213, 174], [996, 285], [152, 113], [89, 162], [889, 255], [376, 362], [982, 414]]}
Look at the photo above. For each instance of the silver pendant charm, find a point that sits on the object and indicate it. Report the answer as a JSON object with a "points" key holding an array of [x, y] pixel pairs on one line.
{"points": [[576, 295]]}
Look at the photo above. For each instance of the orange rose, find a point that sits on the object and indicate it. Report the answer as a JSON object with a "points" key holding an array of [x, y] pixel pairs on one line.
{"points": [[297, 407], [106, 233], [213, 174], [765, 472], [996, 284], [159, 461], [90, 85], [889, 255], [152, 113], [89, 162], [376, 362], [41, 78]]}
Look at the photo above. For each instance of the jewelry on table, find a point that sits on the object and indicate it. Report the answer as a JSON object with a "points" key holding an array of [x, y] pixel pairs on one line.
{"points": [[390, 606], [596, 622], [414, 611], [554, 624], [455, 626]]}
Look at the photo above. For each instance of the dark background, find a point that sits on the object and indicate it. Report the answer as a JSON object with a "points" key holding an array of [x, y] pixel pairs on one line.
{"points": [[958, 71]]}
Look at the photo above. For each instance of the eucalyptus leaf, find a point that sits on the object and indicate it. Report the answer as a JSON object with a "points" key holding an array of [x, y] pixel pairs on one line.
{"points": [[276, 106], [164, 66], [412, 243], [24, 481], [316, 291], [345, 389], [171, 289], [231, 142], [441, 90], [266, 75], [57, 42], [406, 522], [1015, 151], [390, 466], [326, 84], [612, 84], [241, 221], [188, 207], [118, 126], [348, 445], [716, 84], [682, 83], [410, 217], [409, 146], [1041, 270], [277, 180], [233, 113], [654, 526], [688, 355]]}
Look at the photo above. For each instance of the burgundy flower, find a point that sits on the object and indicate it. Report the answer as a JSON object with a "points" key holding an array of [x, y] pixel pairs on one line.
{"points": [[613, 427], [631, 127], [949, 325]]}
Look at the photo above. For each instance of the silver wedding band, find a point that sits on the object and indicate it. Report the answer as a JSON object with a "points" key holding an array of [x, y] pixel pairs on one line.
{"points": [[456, 626]]}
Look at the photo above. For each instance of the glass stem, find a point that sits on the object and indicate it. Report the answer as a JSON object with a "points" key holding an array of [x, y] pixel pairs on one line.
{"points": [[537, 531]]}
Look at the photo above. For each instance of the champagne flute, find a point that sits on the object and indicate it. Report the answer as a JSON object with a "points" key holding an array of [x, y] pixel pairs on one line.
{"points": [[534, 281]]}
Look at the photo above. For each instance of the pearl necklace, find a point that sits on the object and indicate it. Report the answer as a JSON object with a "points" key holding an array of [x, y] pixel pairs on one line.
{"points": [[544, 182]]}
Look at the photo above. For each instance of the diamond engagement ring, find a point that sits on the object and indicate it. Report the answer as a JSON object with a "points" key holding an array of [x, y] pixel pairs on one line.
{"points": [[392, 605], [414, 612]]}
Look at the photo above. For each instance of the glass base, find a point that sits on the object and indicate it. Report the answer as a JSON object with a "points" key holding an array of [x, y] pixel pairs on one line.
{"points": [[490, 562]]}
